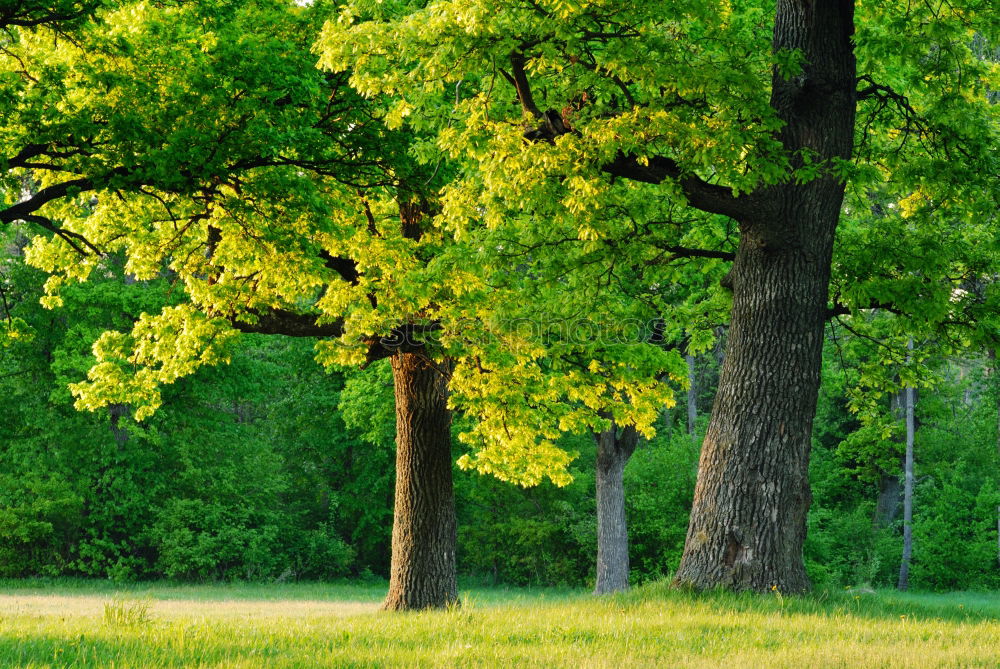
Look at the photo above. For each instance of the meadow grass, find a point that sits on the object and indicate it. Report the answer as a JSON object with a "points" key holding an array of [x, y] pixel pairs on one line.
{"points": [[96, 624]]}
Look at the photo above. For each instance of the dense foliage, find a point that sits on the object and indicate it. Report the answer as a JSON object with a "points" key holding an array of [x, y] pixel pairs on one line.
{"points": [[270, 468], [546, 165]]}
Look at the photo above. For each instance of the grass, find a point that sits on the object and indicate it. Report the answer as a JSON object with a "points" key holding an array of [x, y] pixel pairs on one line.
{"points": [[95, 624]]}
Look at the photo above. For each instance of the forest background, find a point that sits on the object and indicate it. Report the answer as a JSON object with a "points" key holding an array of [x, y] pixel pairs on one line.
{"points": [[245, 473]]}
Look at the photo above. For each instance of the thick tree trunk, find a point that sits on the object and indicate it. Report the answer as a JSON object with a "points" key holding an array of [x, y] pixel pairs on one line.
{"points": [[748, 520], [422, 572], [614, 448]]}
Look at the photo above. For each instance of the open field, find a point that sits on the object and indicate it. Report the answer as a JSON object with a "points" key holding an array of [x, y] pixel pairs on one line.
{"points": [[96, 624]]}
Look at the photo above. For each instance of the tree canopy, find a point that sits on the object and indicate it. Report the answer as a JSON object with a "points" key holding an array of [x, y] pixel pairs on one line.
{"points": [[540, 197]]}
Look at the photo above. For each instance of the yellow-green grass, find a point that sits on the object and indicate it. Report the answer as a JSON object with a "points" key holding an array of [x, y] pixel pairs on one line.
{"points": [[67, 624]]}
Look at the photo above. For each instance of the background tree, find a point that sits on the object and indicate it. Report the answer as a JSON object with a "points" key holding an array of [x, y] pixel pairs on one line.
{"points": [[904, 567], [206, 489]]}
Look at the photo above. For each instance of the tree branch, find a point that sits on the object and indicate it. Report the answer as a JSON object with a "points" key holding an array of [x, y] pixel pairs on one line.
{"points": [[840, 309], [67, 236], [347, 268], [686, 252], [702, 195], [288, 323], [27, 153], [520, 80], [20, 211]]}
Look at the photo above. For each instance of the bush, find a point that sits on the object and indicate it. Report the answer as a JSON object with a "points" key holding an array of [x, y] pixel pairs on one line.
{"points": [[38, 520], [322, 555], [198, 540], [659, 487]]}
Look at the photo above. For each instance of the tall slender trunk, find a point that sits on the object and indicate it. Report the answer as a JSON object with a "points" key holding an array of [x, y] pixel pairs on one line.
{"points": [[748, 520], [890, 485], [422, 571], [995, 372], [692, 396], [904, 566], [614, 448], [996, 382]]}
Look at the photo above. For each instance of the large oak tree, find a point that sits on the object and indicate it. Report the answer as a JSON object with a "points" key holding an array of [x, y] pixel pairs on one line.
{"points": [[668, 122]]}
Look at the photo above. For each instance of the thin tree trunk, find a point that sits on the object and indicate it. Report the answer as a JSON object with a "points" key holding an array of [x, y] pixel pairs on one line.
{"points": [[888, 503], [719, 350], [890, 485], [692, 396], [116, 412], [996, 381], [422, 571], [748, 520], [904, 567], [614, 448], [995, 373], [992, 354]]}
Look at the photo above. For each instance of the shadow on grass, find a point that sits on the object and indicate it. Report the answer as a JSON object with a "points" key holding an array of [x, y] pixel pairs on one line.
{"points": [[368, 591], [880, 605], [353, 591], [883, 604]]}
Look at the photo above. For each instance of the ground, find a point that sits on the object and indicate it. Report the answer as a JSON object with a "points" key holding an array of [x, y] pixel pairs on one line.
{"points": [[100, 624]]}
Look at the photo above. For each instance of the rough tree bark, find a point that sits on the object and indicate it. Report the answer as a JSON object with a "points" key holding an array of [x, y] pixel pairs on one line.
{"points": [[614, 448], [748, 521], [422, 572]]}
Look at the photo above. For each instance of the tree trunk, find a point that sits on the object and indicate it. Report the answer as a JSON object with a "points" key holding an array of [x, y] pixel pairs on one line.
{"points": [[904, 566], [890, 486], [995, 372], [888, 503], [116, 412], [692, 396], [422, 571], [614, 448], [996, 383], [748, 520]]}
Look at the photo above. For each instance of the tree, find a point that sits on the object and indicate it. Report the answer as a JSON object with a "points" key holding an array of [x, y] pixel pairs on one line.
{"points": [[258, 207], [904, 567], [614, 448], [279, 202], [686, 117]]}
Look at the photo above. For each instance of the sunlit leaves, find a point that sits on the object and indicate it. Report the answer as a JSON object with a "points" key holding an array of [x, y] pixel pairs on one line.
{"points": [[160, 349]]}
